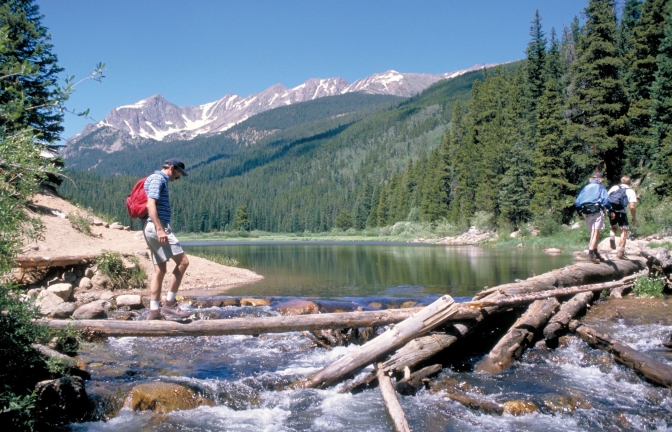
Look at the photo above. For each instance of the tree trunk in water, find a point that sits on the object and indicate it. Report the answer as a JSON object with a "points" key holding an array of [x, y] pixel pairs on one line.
{"points": [[577, 274], [392, 402], [419, 324], [653, 370], [512, 345], [408, 386], [559, 322]]}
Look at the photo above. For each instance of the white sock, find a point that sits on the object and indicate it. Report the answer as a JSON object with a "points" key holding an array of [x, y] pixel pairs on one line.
{"points": [[171, 296], [154, 305]]}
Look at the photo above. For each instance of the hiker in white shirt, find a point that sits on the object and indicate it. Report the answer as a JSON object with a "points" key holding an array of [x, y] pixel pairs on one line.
{"points": [[618, 215]]}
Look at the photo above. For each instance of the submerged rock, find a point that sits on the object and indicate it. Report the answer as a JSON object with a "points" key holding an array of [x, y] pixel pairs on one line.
{"points": [[297, 307], [520, 407], [163, 398], [255, 302]]}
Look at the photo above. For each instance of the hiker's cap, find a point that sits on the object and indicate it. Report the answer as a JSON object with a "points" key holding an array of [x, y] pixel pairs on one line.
{"points": [[177, 164], [597, 175]]}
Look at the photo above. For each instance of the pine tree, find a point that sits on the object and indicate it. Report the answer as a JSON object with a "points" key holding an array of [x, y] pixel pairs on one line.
{"points": [[241, 221], [648, 33], [661, 110], [536, 63], [30, 92], [629, 18], [597, 103]]}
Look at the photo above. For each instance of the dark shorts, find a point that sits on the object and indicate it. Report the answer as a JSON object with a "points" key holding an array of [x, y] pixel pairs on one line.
{"points": [[621, 219]]}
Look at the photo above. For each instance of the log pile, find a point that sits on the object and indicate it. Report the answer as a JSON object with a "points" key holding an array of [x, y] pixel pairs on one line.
{"points": [[412, 348]]}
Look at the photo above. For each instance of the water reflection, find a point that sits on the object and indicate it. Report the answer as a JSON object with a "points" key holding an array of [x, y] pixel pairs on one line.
{"points": [[363, 269]]}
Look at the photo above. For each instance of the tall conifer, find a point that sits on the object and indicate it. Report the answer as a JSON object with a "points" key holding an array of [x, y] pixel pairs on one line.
{"points": [[597, 103], [661, 109]]}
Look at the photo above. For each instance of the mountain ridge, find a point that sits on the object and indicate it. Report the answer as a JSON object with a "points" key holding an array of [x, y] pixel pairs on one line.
{"points": [[157, 119]]}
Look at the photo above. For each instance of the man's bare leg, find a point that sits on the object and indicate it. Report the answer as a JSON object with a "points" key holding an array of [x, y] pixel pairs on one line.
{"points": [[181, 264], [157, 281]]}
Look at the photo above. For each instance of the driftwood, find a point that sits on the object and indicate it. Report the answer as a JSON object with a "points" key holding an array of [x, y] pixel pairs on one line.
{"points": [[568, 310], [24, 261], [419, 324], [237, 326], [653, 370], [473, 402], [573, 275], [316, 340], [409, 385], [519, 336], [506, 299], [392, 402]]}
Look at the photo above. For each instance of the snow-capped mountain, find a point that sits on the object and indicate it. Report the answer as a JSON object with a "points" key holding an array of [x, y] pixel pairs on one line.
{"points": [[158, 119]]}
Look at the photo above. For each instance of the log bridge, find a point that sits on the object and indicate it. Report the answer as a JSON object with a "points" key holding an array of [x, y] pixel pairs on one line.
{"points": [[546, 306]]}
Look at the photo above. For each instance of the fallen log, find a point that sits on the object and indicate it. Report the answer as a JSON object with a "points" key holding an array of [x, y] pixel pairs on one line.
{"points": [[417, 325], [24, 261], [519, 336], [316, 340], [653, 370], [568, 310], [409, 385], [449, 389], [569, 276], [247, 326], [506, 299], [236, 326], [392, 402]]}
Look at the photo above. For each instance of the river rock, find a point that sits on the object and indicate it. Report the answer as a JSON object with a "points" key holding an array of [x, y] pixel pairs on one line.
{"points": [[163, 398], [94, 310], [47, 301], [375, 305], [255, 302], [552, 251], [63, 311], [69, 277], [63, 290], [298, 307], [116, 226], [27, 276], [101, 282], [519, 407], [88, 273], [84, 283], [63, 399], [33, 293], [134, 301], [408, 304]]}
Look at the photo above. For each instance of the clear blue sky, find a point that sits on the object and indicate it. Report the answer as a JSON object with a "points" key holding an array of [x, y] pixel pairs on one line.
{"points": [[194, 52]]}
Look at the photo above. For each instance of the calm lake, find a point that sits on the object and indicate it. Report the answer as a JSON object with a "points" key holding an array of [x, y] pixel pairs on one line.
{"points": [[332, 270]]}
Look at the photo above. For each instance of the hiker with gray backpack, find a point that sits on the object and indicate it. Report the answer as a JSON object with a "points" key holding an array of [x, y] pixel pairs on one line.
{"points": [[621, 197], [590, 205]]}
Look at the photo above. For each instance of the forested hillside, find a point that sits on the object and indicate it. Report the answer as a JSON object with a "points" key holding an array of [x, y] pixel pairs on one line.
{"points": [[294, 168], [514, 148]]}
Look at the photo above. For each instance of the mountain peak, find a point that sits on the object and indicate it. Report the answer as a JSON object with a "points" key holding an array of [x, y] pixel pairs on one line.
{"points": [[158, 119]]}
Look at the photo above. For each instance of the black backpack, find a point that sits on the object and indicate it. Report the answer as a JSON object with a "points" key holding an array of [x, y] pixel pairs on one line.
{"points": [[619, 199]]}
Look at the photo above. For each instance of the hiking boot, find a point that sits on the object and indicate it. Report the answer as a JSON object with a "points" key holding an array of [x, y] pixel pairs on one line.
{"points": [[172, 308], [612, 242], [593, 258], [598, 256], [154, 314], [621, 254]]}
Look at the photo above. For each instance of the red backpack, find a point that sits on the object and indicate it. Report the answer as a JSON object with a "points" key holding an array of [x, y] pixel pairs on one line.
{"points": [[136, 202]]}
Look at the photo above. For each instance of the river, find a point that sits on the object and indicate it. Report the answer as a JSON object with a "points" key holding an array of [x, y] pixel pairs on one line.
{"points": [[575, 387]]}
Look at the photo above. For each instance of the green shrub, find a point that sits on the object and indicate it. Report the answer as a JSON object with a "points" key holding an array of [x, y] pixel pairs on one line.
{"points": [[547, 225], [80, 223], [483, 220], [649, 287], [112, 265]]}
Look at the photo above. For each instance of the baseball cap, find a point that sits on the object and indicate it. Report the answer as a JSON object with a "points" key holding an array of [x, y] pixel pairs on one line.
{"points": [[177, 164]]}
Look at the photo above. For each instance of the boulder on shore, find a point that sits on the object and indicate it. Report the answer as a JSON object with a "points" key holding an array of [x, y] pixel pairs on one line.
{"points": [[63, 290], [63, 399], [297, 307], [94, 310]]}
